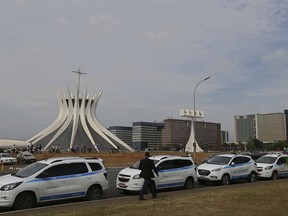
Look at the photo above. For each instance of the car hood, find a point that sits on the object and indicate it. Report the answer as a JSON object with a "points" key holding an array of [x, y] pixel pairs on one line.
{"points": [[206, 166], [263, 164], [7, 179], [130, 171]]}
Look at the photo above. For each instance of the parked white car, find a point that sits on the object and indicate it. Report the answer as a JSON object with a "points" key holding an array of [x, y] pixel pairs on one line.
{"points": [[54, 179], [7, 158], [227, 167], [174, 171], [272, 166]]}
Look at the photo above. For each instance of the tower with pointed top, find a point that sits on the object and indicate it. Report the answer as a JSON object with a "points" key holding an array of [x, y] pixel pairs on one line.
{"points": [[77, 125]]}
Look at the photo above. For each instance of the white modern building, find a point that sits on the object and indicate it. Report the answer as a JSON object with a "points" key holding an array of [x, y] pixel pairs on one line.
{"points": [[77, 125]]}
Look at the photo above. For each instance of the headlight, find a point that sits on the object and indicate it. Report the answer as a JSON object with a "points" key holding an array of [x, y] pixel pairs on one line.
{"points": [[268, 167], [10, 186], [136, 176], [216, 170]]}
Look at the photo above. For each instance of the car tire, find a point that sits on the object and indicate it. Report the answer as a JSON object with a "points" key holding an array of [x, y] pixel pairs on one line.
{"points": [[24, 200], [94, 193], [252, 177], [274, 175], [189, 184], [225, 180]]}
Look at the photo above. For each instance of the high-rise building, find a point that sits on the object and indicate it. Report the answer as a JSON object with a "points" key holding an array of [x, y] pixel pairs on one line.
{"points": [[286, 122], [244, 126], [176, 132], [122, 132], [268, 127], [147, 135], [224, 136]]}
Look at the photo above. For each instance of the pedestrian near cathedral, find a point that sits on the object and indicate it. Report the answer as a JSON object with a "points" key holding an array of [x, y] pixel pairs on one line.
{"points": [[147, 167]]}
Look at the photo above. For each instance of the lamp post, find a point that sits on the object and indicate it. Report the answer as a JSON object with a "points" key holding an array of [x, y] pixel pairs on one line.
{"points": [[194, 114]]}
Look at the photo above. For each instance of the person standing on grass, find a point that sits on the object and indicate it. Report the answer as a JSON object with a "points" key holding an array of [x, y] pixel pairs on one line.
{"points": [[147, 167]]}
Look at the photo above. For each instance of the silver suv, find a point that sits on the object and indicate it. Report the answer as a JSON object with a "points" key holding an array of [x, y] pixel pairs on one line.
{"points": [[227, 167], [174, 171], [54, 179]]}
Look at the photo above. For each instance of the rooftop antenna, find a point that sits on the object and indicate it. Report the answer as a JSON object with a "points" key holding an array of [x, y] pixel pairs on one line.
{"points": [[79, 73]]}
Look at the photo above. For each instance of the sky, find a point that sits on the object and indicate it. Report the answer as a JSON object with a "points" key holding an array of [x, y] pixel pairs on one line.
{"points": [[147, 57]]}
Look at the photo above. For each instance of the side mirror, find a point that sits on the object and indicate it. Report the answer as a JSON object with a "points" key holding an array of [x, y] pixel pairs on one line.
{"points": [[232, 163]]}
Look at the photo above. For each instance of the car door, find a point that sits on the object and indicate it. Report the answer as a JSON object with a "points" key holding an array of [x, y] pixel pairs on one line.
{"points": [[182, 169], [282, 165], [165, 171], [53, 183], [78, 179], [240, 167]]}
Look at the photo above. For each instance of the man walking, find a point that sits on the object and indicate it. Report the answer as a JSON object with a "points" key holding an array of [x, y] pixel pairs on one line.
{"points": [[147, 167]]}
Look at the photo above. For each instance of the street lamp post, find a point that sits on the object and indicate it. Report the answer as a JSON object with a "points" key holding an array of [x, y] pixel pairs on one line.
{"points": [[194, 114]]}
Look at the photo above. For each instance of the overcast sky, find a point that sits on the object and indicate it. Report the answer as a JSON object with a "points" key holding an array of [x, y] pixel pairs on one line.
{"points": [[145, 55]]}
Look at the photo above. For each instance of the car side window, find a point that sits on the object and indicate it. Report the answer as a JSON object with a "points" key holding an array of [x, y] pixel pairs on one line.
{"points": [[76, 168], [95, 166], [236, 160], [243, 160], [57, 170], [281, 160], [165, 165], [181, 163], [187, 163]]}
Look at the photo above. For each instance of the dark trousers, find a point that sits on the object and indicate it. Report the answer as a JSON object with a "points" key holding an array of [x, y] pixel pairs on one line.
{"points": [[147, 184]]}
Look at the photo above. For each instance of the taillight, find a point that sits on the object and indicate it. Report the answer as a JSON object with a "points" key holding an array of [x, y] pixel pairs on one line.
{"points": [[106, 175]]}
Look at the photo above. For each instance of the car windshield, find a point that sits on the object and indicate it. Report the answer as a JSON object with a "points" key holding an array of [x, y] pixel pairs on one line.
{"points": [[219, 160], [136, 165], [30, 170], [266, 160]]}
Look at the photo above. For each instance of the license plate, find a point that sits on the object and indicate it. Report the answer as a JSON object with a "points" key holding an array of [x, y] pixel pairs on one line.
{"points": [[122, 185]]}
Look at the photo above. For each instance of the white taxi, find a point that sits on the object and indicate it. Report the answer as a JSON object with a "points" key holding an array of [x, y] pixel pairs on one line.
{"points": [[227, 167], [54, 179], [174, 171], [272, 166]]}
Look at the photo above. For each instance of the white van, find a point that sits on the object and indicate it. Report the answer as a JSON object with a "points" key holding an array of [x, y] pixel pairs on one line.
{"points": [[54, 179], [272, 166], [174, 171]]}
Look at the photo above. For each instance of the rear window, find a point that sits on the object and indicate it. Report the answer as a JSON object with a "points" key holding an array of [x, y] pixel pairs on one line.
{"points": [[95, 166]]}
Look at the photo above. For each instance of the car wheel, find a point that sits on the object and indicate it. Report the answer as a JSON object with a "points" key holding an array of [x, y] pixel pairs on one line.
{"points": [[252, 177], [189, 184], [225, 180], [24, 200], [274, 175], [94, 192]]}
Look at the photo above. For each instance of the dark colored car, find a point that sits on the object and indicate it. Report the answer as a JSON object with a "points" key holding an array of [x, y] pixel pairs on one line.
{"points": [[26, 157]]}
